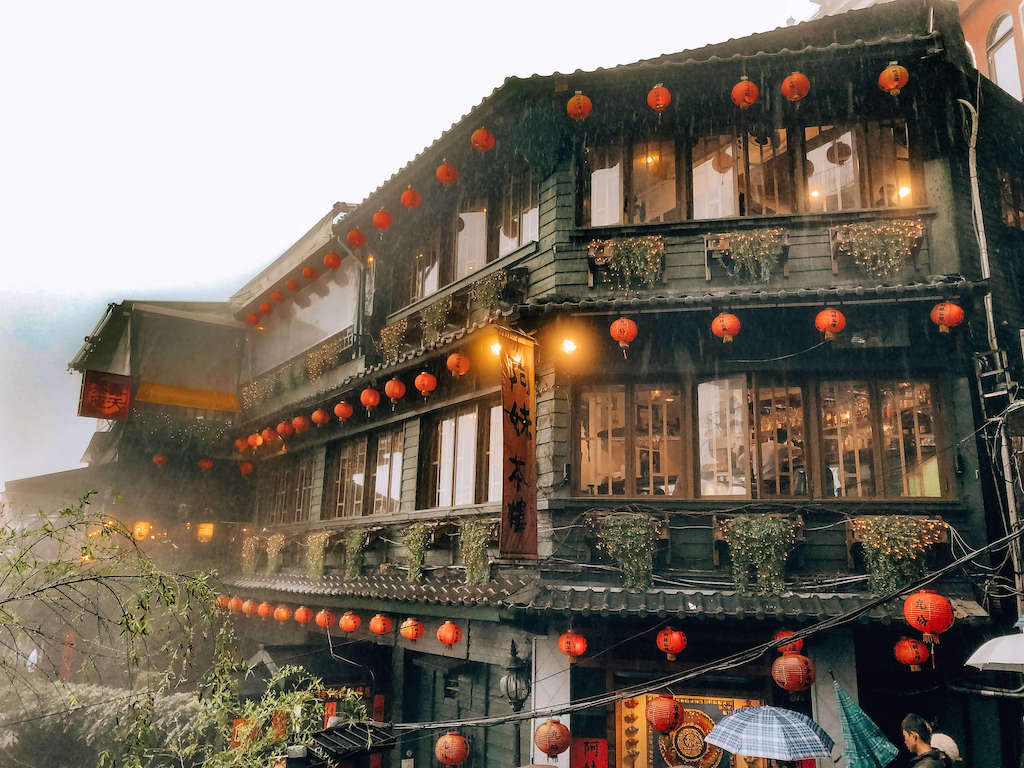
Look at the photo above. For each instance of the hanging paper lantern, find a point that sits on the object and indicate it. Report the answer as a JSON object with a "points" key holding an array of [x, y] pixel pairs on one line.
{"points": [[664, 713], [725, 326], [623, 331], [285, 429], [579, 106], [245, 468], [310, 273], [266, 308], [947, 315], [929, 612], [551, 737], [793, 672], [830, 322], [159, 459], [572, 645], [319, 417], [350, 622], [265, 610], [395, 390], [300, 423], [670, 642], [411, 629], [425, 383], [324, 619], [658, 98], [254, 440], [458, 364], [449, 634], [252, 318], [355, 238], [744, 93], [205, 464], [380, 624], [451, 749], [241, 444], [382, 219], [282, 613], [411, 198], [893, 78], [292, 284], [910, 652], [277, 296], [343, 410], [235, 604], [795, 647], [795, 86], [370, 398], [333, 260], [223, 600], [446, 173], [268, 435], [303, 615], [482, 140], [249, 607]]}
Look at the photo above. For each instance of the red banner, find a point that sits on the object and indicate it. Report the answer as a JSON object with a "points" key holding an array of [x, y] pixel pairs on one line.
{"points": [[105, 395], [519, 461], [588, 753]]}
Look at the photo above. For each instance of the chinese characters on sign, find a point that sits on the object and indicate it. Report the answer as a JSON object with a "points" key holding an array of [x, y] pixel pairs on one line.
{"points": [[105, 395], [519, 439]]}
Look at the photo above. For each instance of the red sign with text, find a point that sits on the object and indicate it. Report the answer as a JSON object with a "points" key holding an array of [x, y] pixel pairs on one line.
{"points": [[588, 753], [105, 395]]}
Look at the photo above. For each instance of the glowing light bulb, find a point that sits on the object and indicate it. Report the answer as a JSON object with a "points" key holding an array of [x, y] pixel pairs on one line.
{"points": [[496, 348], [815, 193], [904, 192], [568, 346]]}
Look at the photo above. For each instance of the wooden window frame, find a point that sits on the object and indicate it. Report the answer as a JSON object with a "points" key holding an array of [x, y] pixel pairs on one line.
{"points": [[331, 471], [429, 455]]}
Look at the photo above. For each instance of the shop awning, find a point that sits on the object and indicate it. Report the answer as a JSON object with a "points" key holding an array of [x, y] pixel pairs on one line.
{"points": [[345, 741]]}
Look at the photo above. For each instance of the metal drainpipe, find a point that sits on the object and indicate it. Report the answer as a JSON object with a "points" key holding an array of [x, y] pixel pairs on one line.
{"points": [[990, 331]]}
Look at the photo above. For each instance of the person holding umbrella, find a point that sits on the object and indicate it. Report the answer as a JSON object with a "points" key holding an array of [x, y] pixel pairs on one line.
{"points": [[947, 748], [917, 736]]}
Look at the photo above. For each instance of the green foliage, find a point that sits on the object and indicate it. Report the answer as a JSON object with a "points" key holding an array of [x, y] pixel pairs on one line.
{"points": [[880, 248], [250, 553], [415, 541], [473, 538], [894, 547], [354, 543], [433, 320], [760, 544], [152, 431], [628, 539], [754, 254], [275, 544], [391, 339], [316, 543], [631, 262], [488, 290]]}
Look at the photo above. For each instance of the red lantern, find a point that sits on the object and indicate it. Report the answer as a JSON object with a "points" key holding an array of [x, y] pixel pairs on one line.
{"points": [[254, 440], [482, 140], [277, 296], [266, 308], [159, 459], [300, 423], [411, 198], [343, 410], [350, 622], [658, 98], [241, 444], [370, 398], [551, 737], [282, 613], [252, 318], [572, 645], [284, 429], [380, 624], [451, 749], [425, 383], [265, 610], [725, 326], [947, 315], [324, 619], [245, 468], [249, 607], [744, 93], [268, 435], [793, 672], [910, 652], [319, 417], [623, 331], [795, 647], [449, 634], [893, 78], [929, 612], [795, 86], [303, 615], [411, 629], [664, 713], [395, 390], [292, 285], [458, 364], [223, 600], [235, 604], [579, 106], [447, 173], [670, 642], [333, 260], [355, 238], [205, 464], [309, 273], [830, 322], [382, 219]]}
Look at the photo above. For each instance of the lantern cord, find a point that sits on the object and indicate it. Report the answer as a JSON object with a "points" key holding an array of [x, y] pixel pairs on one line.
{"points": [[784, 357], [339, 657]]}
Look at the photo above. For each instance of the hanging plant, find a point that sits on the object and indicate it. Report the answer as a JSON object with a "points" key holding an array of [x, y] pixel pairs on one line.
{"points": [[415, 541], [322, 358], [159, 432], [880, 248], [760, 544], [487, 291], [628, 539], [629, 262], [355, 542], [250, 551], [391, 339], [754, 254], [894, 547], [473, 538], [433, 319], [275, 543], [316, 543]]}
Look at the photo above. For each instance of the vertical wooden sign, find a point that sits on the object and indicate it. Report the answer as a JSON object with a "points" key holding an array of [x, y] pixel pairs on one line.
{"points": [[519, 441]]}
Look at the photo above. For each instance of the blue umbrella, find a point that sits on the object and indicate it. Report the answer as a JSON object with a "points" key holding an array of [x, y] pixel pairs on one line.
{"points": [[773, 732], [866, 746]]}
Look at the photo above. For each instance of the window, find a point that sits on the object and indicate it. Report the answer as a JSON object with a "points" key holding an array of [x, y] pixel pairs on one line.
{"points": [[722, 429], [286, 489], [602, 186], [908, 438], [470, 237], [1001, 51], [652, 187], [387, 487], [746, 175], [640, 191], [463, 457], [418, 273], [519, 212], [346, 479]]}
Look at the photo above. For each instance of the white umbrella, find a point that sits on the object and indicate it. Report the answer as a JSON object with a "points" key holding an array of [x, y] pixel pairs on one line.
{"points": [[1002, 654]]}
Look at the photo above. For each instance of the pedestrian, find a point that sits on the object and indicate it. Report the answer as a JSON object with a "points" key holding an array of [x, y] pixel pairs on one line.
{"points": [[917, 736], [947, 748]]}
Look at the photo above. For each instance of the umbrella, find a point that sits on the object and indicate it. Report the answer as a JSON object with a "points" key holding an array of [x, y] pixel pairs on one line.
{"points": [[780, 734], [1002, 654], [866, 747]]}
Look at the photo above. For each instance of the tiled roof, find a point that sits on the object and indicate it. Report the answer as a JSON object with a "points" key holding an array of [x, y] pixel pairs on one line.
{"points": [[349, 740]]}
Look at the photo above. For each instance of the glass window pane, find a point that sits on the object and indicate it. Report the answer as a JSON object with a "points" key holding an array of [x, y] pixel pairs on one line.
{"points": [[465, 457], [602, 442], [471, 238], [908, 434], [387, 483], [722, 435], [830, 163], [887, 164], [519, 212], [653, 194], [657, 442], [714, 178], [445, 461], [395, 487], [769, 189], [495, 455], [847, 445], [779, 416], [603, 205], [1003, 66]]}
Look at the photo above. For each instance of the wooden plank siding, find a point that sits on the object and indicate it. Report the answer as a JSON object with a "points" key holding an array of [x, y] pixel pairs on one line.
{"points": [[410, 465]]}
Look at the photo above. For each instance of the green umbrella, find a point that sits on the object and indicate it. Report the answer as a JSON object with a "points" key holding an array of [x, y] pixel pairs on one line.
{"points": [[866, 746]]}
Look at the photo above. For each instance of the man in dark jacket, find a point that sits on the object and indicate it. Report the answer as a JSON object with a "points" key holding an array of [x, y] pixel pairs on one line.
{"points": [[917, 736]]}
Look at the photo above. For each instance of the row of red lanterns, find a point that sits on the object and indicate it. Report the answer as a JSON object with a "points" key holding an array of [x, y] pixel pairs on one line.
{"points": [[266, 308], [160, 459], [551, 737]]}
